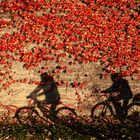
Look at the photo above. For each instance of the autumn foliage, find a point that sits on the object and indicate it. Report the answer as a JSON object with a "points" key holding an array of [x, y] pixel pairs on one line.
{"points": [[104, 31]]}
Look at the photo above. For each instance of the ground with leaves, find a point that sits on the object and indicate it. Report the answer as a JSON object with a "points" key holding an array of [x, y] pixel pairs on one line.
{"points": [[78, 130]]}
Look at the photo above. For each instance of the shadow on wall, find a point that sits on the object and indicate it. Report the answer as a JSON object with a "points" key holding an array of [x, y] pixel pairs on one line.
{"points": [[49, 89], [120, 98], [122, 90], [120, 87]]}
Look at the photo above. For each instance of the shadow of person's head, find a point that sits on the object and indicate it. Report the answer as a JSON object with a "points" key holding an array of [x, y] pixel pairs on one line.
{"points": [[115, 76], [45, 78], [50, 89]]}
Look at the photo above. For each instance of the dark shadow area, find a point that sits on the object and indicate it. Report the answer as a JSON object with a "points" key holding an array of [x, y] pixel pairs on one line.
{"points": [[48, 88], [44, 111], [122, 95], [69, 125], [107, 130], [79, 129]]}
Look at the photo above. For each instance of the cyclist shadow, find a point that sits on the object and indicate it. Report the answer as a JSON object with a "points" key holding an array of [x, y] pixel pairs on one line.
{"points": [[123, 94], [48, 88]]}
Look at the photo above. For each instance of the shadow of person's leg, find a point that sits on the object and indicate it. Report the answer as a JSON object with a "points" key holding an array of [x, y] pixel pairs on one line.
{"points": [[53, 111], [118, 108], [125, 106], [117, 105]]}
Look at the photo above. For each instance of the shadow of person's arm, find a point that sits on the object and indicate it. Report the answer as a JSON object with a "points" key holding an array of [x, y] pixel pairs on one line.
{"points": [[111, 89], [40, 94], [34, 92], [108, 90], [45, 88]]}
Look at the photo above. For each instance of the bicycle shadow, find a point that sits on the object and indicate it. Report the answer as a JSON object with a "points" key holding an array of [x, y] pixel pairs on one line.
{"points": [[123, 94], [48, 89]]}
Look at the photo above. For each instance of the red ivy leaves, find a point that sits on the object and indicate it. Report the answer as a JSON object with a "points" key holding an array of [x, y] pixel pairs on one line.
{"points": [[105, 31]]}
